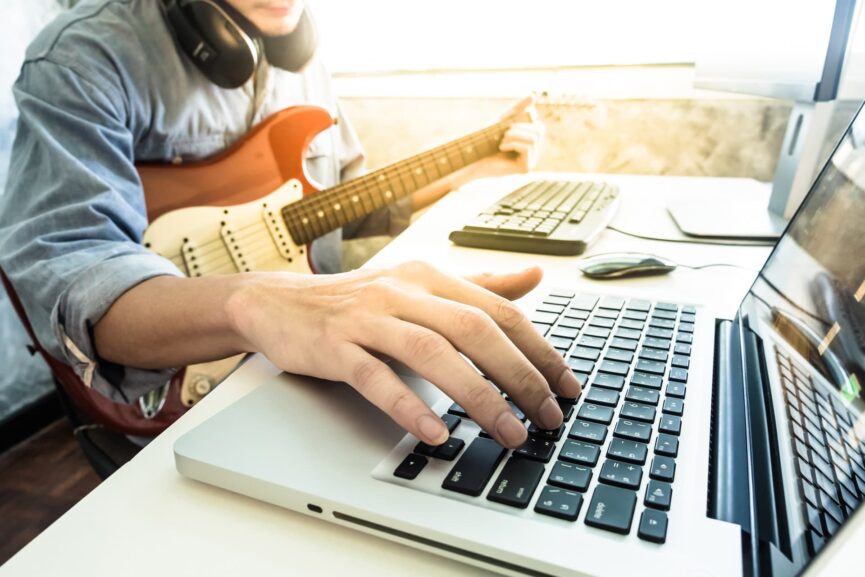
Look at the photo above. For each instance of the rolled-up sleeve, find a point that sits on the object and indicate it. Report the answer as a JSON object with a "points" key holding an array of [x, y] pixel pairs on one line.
{"points": [[72, 218]]}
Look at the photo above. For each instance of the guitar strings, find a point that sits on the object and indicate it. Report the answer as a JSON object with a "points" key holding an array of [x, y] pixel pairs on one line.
{"points": [[325, 199]]}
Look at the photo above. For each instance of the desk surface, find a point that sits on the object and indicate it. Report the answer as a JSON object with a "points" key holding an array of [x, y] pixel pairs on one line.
{"points": [[148, 520]]}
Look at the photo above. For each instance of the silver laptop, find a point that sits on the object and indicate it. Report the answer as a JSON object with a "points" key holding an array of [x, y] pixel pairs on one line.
{"points": [[699, 446]]}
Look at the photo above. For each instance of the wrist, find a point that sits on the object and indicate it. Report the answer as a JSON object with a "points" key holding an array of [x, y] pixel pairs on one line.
{"points": [[239, 308]]}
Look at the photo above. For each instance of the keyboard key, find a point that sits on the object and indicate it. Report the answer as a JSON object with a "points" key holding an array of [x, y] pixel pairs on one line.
{"points": [[586, 353], [550, 308], [603, 323], [611, 303], [644, 380], [516, 483], [676, 390], [686, 327], [542, 328], [673, 406], [666, 307], [565, 333], [661, 344], [659, 495], [609, 381], [449, 450], [635, 315], [620, 355], [651, 367], [584, 302], [686, 338], [681, 361], [632, 324], [567, 408], [653, 354], [601, 396], [653, 526], [639, 305], [410, 467], [642, 395], [560, 342], [670, 424], [614, 368], [592, 342], [518, 412], [548, 434], [659, 333], [473, 470], [576, 314], [571, 323], [662, 314], [589, 432], [625, 475], [607, 314], [579, 453], [596, 331], [682, 349], [677, 374], [624, 342], [580, 365], [663, 469], [612, 509], [690, 310], [667, 445], [457, 411], [559, 503], [632, 430], [451, 421], [536, 449], [638, 412], [570, 476], [629, 451], [544, 318], [595, 413]]}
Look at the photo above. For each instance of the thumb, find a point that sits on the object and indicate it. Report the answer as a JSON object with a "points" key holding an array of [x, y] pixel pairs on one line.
{"points": [[511, 285]]}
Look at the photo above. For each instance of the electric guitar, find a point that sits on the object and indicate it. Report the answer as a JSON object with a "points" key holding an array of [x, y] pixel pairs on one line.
{"points": [[252, 207]]}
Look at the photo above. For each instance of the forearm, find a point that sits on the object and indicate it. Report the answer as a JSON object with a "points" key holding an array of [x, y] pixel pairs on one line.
{"points": [[169, 321]]}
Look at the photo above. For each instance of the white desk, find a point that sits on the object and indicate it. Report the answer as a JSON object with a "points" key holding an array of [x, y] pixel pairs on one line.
{"points": [[148, 520]]}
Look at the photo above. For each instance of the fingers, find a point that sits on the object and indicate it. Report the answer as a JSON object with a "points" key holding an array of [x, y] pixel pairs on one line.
{"points": [[377, 383], [511, 320], [433, 356], [510, 286]]}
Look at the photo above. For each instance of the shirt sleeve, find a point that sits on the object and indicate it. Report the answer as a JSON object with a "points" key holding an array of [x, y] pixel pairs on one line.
{"points": [[389, 220], [72, 218]]}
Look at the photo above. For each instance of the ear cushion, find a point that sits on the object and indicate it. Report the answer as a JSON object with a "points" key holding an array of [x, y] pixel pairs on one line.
{"points": [[293, 51], [214, 41]]}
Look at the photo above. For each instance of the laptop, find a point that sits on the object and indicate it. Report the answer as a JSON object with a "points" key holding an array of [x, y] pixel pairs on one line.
{"points": [[699, 445]]}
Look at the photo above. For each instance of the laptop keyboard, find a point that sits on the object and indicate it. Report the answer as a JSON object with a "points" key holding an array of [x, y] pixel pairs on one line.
{"points": [[829, 446], [633, 357]]}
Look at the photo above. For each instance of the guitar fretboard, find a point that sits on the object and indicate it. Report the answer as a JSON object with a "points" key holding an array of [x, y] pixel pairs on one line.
{"points": [[329, 209]]}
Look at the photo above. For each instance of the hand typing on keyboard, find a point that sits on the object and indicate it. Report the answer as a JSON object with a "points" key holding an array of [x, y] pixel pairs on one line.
{"points": [[331, 326]]}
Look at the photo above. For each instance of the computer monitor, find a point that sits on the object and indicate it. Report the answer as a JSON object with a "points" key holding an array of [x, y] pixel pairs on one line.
{"points": [[806, 52]]}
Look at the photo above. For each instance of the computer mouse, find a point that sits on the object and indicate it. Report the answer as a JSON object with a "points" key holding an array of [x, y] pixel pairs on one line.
{"points": [[624, 264]]}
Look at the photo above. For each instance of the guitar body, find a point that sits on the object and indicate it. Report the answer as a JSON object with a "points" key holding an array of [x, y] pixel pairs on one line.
{"points": [[253, 208], [233, 224]]}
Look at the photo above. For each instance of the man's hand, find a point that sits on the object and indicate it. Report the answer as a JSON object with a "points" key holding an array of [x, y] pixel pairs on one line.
{"points": [[333, 326]]}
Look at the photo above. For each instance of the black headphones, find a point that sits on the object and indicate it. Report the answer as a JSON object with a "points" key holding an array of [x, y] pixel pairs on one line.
{"points": [[225, 45]]}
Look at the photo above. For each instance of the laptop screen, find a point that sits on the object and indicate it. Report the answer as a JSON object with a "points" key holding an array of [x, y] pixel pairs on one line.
{"points": [[809, 300]]}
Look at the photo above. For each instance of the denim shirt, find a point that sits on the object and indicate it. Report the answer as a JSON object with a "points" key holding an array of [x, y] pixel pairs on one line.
{"points": [[103, 87]]}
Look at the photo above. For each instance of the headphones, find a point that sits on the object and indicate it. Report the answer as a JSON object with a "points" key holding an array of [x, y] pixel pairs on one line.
{"points": [[226, 46]]}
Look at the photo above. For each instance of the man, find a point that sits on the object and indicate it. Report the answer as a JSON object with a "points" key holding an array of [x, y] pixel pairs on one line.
{"points": [[106, 86]]}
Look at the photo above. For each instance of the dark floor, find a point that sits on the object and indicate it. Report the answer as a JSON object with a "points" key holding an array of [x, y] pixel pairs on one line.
{"points": [[40, 479]]}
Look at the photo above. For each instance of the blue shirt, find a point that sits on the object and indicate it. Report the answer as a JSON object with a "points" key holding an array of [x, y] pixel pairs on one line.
{"points": [[102, 87]]}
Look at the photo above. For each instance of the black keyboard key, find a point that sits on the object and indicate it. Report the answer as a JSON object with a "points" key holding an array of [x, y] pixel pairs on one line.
{"points": [[536, 449], [548, 434], [653, 354], [614, 368], [584, 302], [449, 450], [601, 396], [565, 332], [629, 451], [586, 353], [659, 333], [451, 421], [609, 381], [624, 342], [559, 503], [592, 342], [642, 395], [567, 408], [473, 470], [457, 411], [570, 476], [635, 315], [686, 327], [518, 412], [686, 338], [632, 324], [611, 303], [657, 343], [677, 374], [542, 328], [676, 390], [601, 323], [625, 475], [667, 307], [663, 314], [645, 380], [682, 349], [595, 413], [612, 509], [633, 430], [516, 483], [673, 406], [670, 424], [681, 361], [638, 412], [663, 469], [544, 318], [620, 355], [659, 495], [639, 305], [579, 453], [580, 365], [667, 445], [651, 367], [410, 466], [653, 526], [588, 432]]}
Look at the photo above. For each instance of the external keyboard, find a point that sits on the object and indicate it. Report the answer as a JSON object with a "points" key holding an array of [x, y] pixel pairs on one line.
{"points": [[829, 447], [545, 216], [633, 356]]}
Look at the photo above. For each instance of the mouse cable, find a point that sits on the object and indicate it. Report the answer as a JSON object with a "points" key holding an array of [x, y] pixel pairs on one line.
{"points": [[690, 241]]}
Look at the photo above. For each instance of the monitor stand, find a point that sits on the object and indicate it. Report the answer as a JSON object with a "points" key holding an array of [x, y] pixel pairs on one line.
{"points": [[802, 155]]}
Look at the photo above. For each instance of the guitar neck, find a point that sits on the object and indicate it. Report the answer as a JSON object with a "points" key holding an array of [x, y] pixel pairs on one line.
{"points": [[329, 209]]}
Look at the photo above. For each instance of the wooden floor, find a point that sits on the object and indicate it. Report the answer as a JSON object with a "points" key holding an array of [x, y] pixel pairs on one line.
{"points": [[40, 479]]}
